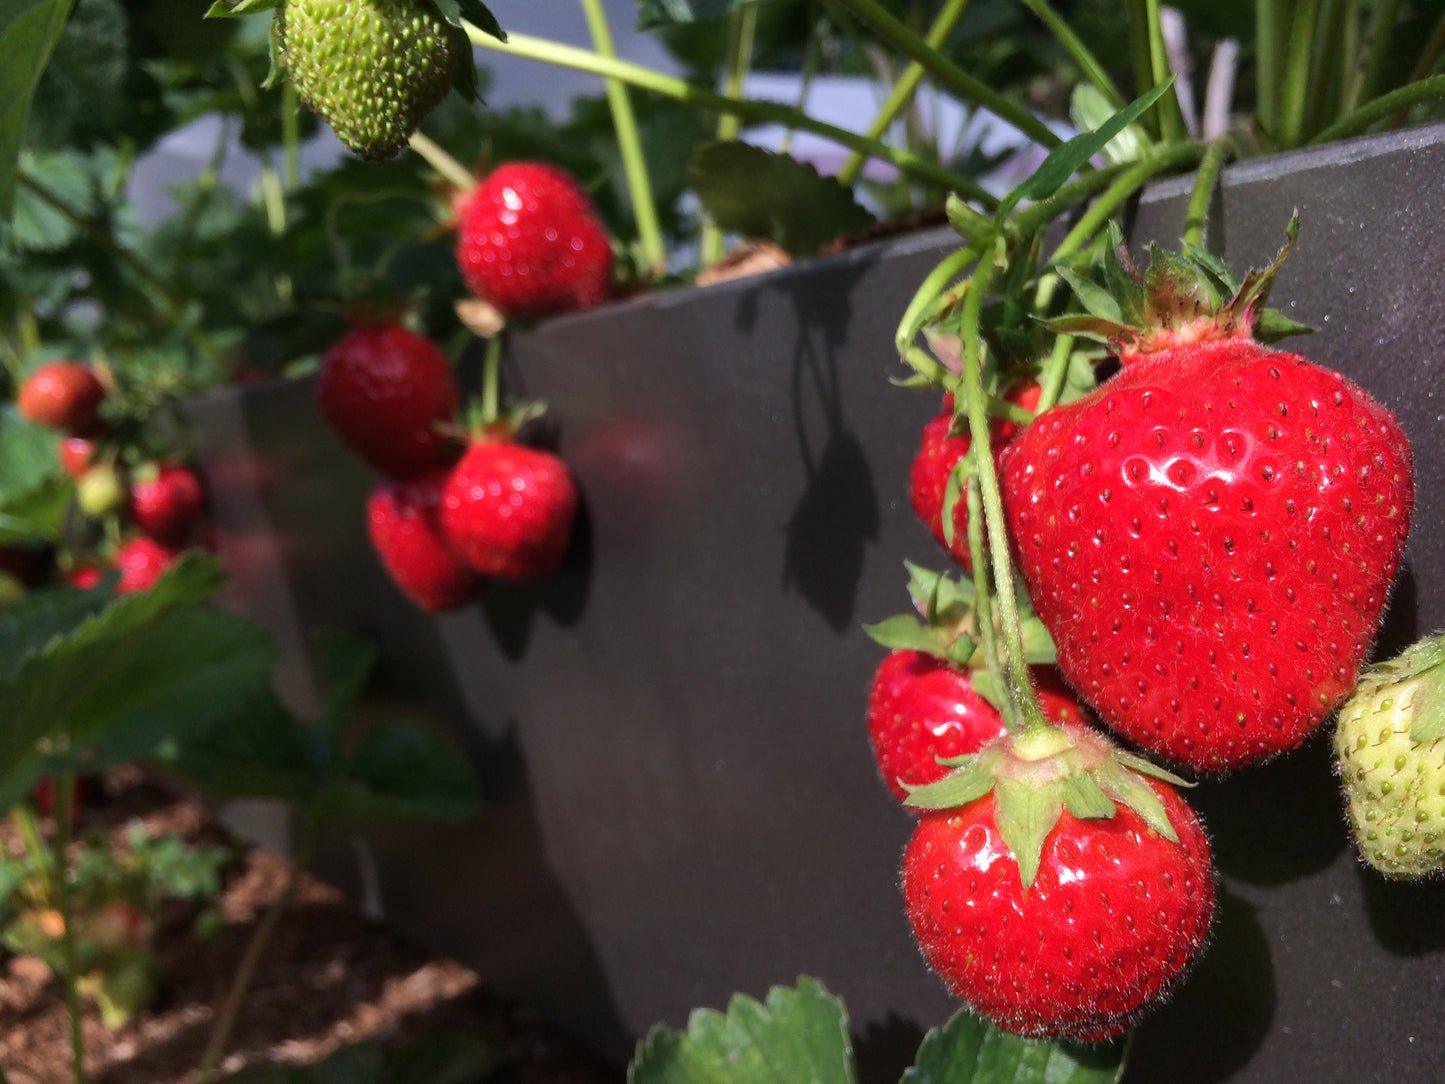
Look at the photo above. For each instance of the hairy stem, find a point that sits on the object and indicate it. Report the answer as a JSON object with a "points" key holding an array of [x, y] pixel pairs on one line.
{"points": [[629, 143], [984, 598], [906, 85], [1056, 371], [1197, 214], [436, 156], [749, 110]]}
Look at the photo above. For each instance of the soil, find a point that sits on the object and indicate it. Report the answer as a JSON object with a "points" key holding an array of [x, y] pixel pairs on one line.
{"points": [[330, 978]]}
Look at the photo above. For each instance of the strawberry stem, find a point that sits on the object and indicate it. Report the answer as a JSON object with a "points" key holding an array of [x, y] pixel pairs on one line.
{"points": [[983, 603], [741, 26], [905, 87], [749, 110], [1203, 191], [1425, 90], [629, 143], [1056, 371], [431, 152], [1022, 700], [491, 380]]}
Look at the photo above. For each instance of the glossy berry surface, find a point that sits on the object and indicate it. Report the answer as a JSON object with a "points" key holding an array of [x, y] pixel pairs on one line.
{"points": [[64, 395], [403, 521], [1210, 538], [1116, 915], [168, 506], [142, 561], [530, 243], [386, 391], [507, 510]]}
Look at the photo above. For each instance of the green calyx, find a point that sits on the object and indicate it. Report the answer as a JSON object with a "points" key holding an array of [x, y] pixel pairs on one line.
{"points": [[945, 624], [1039, 774], [1180, 298]]}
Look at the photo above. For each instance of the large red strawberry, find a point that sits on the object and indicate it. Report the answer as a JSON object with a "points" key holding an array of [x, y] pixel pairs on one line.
{"points": [[530, 242], [142, 561], [403, 519], [507, 509], [62, 394], [166, 503], [939, 453], [387, 391], [1211, 535], [1058, 892]]}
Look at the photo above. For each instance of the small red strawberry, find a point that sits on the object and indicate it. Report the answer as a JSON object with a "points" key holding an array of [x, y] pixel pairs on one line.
{"points": [[64, 395], [1057, 891], [386, 391], [76, 455], [85, 576], [166, 503], [940, 452], [507, 510], [530, 242], [142, 561], [1210, 536], [403, 518]]}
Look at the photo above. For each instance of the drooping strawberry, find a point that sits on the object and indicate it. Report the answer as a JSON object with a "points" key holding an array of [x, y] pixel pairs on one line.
{"points": [[926, 702], [166, 502], [1210, 536], [939, 453], [1055, 889], [1390, 754], [529, 242], [64, 395], [101, 490], [507, 509], [142, 561], [387, 391], [76, 455], [372, 68], [403, 520]]}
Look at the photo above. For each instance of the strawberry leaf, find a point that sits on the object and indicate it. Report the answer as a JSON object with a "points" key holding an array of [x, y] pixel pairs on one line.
{"points": [[765, 195], [969, 1050], [796, 1035], [1130, 789], [474, 12], [1272, 325], [1097, 301], [1084, 799], [346, 661], [400, 771], [988, 686], [902, 632], [656, 13], [29, 30], [1025, 814], [971, 779]]}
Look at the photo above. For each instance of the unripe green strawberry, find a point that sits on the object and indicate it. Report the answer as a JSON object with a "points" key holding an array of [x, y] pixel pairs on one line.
{"points": [[372, 68], [1390, 744]]}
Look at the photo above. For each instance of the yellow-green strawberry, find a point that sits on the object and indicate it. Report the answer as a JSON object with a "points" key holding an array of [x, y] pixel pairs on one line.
{"points": [[372, 68], [1390, 745]]}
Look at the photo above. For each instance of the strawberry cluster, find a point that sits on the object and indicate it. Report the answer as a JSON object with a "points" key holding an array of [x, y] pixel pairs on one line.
{"points": [[453, 508], [1205, 543], [148, 509]]}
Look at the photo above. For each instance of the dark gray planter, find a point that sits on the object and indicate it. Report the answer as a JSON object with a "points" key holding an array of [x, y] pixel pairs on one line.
{"points": [[672, 728]]}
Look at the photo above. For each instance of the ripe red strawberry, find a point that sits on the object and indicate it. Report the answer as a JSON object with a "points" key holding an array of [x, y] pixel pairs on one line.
{"points": [[76, 455], [85, 576], [142, 561], [1090, 921], [1211, 535], [62, 394], [922, 707], [530, 242], [403, 517], [166, 503], [386, 391], [507, 510], [939, 453]]}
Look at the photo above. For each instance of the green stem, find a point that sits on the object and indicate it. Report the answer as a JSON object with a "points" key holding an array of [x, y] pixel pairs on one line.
{"points": [[949, 75], [1295, 94], [434, 155], [1022, 701], [491, 380], [1172, 128], [937, 280], [750, 110], [984, 598], [1197, 213], [629, 144], [1431, 52], [906, 85], [1088, 63], [1056, 371], [1325, 59], [1141, 57], [1382, 28], [812, 59], [291, 134], [64, 832], [1268, 24], [741, 26], [255, 949], [1361, 119]]}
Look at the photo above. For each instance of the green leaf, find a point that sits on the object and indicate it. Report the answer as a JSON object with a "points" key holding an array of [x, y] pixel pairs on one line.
{"points": [[27, 457], [29, 624], [1273, 325], [1097, 301], [346, 661], [29, 30], [1084, 799], [969, 1050], [1064, 160], [1127, 788], [474, 12], [655, 13], [764, 195], [971, 779], [1026, 813], [223, 9], [798, 1036], [401, 771], [1089, 109], [1039, 647], [903, 632]]}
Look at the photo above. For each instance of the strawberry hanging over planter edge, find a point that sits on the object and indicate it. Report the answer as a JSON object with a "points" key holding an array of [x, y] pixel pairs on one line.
{"points": [[1209, 536]]}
